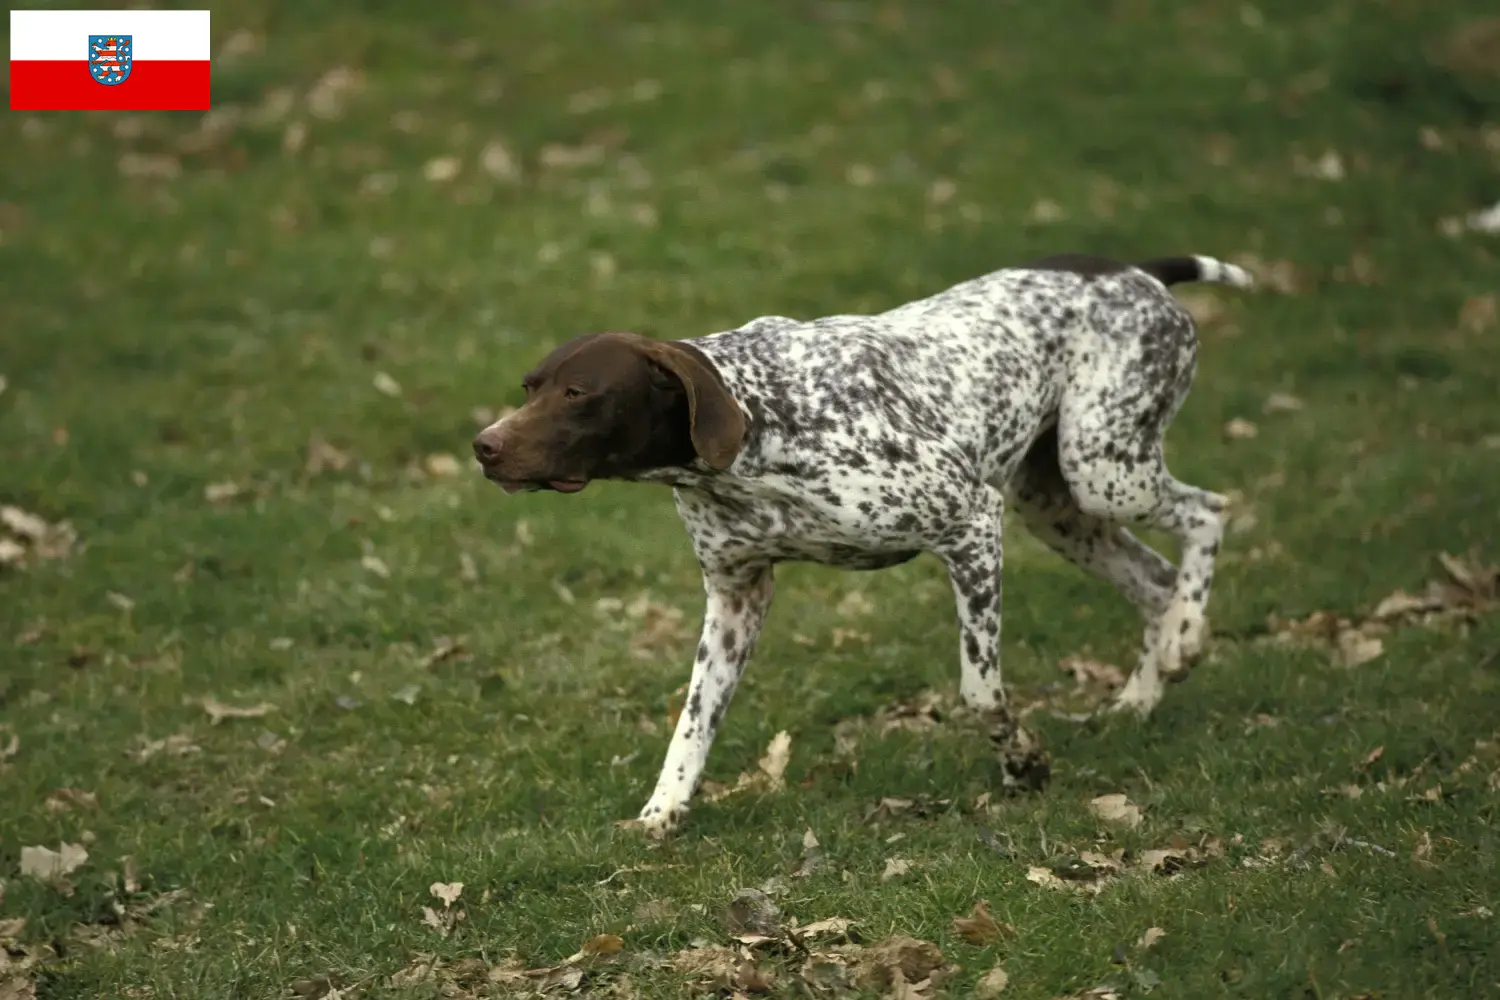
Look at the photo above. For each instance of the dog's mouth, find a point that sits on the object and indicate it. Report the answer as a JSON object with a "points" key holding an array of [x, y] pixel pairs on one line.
{"points": [[535, 485]]}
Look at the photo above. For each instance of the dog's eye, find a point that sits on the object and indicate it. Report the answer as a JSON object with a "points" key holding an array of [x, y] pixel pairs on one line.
{"points": [[573, 392]]}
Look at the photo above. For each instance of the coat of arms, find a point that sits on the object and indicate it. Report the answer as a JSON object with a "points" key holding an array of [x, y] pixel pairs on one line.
{"points": [[110, 58]]}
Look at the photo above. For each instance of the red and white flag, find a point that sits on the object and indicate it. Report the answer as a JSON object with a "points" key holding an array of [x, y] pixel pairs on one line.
{"points": [[109, 60]]}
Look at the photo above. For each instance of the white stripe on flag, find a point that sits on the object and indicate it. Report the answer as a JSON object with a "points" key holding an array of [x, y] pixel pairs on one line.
{"points": [[63, 35]]}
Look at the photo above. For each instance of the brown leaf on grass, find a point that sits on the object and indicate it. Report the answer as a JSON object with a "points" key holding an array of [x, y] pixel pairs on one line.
{"points": [[65, 799], [176, 745], [441, 169], [1086, 671], [979, 927], [1281, 402], [34, 537], [812, 856], [1422, 852], [1150, 937], [914, 963], [598, 945], [712, 961], [329, 97], [448, 892], [1479, 313], [386, 385], [1356, 648], [751, 978], [1280, 276], [770, 776], [555, 156], [444, 648], [1116, 808], [375, 565], [991, 984], [16, 985], [149, 166], [218, 711], [222, 492], [1088, 872], [1327, 167], [1166, 860], [855, 604], [441, 465], [1240, 429], [895, 868], [753, 912], [1206, 308], [323, 457], [45, 864], [827, 927]]}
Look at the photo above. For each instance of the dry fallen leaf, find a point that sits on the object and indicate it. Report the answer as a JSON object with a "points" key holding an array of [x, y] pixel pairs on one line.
{"points": [[979, 926], [778, 754], [1240, 429], [1356, 648], [827, 927], [45, 864], [1149, 938], [899, 959], [1116, 808], [991, 984], [218, 711], [894, 868], [386, 385], [441, 465], [771, 775], [753, 912], [599, 944], [448, 892], [1085, 670], [855, 604], [444, 648], [442, 169], [222, 492], [375, 565], [1281, 402], [323, 457]]}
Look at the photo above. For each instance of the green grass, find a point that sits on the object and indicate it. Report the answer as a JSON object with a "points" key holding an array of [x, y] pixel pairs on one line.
{"points": [[162, 334]]}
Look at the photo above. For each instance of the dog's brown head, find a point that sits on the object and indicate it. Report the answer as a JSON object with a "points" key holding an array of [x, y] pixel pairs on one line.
{"points": [[612, 405]]}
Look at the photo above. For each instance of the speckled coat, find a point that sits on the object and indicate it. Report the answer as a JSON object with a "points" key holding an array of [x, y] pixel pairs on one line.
{"points": [[872, 439]]}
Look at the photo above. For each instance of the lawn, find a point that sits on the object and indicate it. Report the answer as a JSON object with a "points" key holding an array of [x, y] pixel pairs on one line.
{"points": [[287, 669]]}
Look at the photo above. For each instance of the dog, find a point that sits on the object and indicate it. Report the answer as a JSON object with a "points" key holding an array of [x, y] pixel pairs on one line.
{"points": [[861, 441]]}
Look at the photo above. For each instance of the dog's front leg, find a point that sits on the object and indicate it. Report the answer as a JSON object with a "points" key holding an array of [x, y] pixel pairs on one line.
{"points": [[973, 555], [738, 600]]}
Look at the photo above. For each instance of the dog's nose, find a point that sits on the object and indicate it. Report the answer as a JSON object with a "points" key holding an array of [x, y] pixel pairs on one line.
{"points": [[487, 447]]}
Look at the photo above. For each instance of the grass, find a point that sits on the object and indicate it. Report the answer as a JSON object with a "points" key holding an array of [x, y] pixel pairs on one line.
{"points": [[194, 313]]}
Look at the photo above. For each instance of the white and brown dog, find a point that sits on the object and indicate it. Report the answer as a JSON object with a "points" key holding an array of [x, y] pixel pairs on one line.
{"points": [[862, 441]]}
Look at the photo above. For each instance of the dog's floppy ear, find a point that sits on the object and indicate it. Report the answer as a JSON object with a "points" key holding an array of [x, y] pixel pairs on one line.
{"points": [[716, 423]]}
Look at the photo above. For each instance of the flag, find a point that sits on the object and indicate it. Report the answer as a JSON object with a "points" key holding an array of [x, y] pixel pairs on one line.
{"points": [[109, 60]]}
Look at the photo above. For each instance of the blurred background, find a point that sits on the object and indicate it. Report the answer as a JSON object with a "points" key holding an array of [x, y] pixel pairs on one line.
{"points": [[242, 355]]}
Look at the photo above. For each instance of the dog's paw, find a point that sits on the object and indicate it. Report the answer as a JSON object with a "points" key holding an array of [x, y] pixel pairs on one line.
{"points": [[655, 822], [1024, 764], [1137, 696]]}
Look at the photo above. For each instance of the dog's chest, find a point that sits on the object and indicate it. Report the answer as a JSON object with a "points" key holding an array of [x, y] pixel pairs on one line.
{"points": [[848, 525]]}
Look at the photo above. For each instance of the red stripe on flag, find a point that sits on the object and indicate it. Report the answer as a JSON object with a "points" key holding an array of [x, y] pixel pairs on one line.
{"points": [[68, 86]]}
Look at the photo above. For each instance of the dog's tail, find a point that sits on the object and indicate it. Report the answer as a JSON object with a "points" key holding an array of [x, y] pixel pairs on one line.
{"points": [[1175, 270]]}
